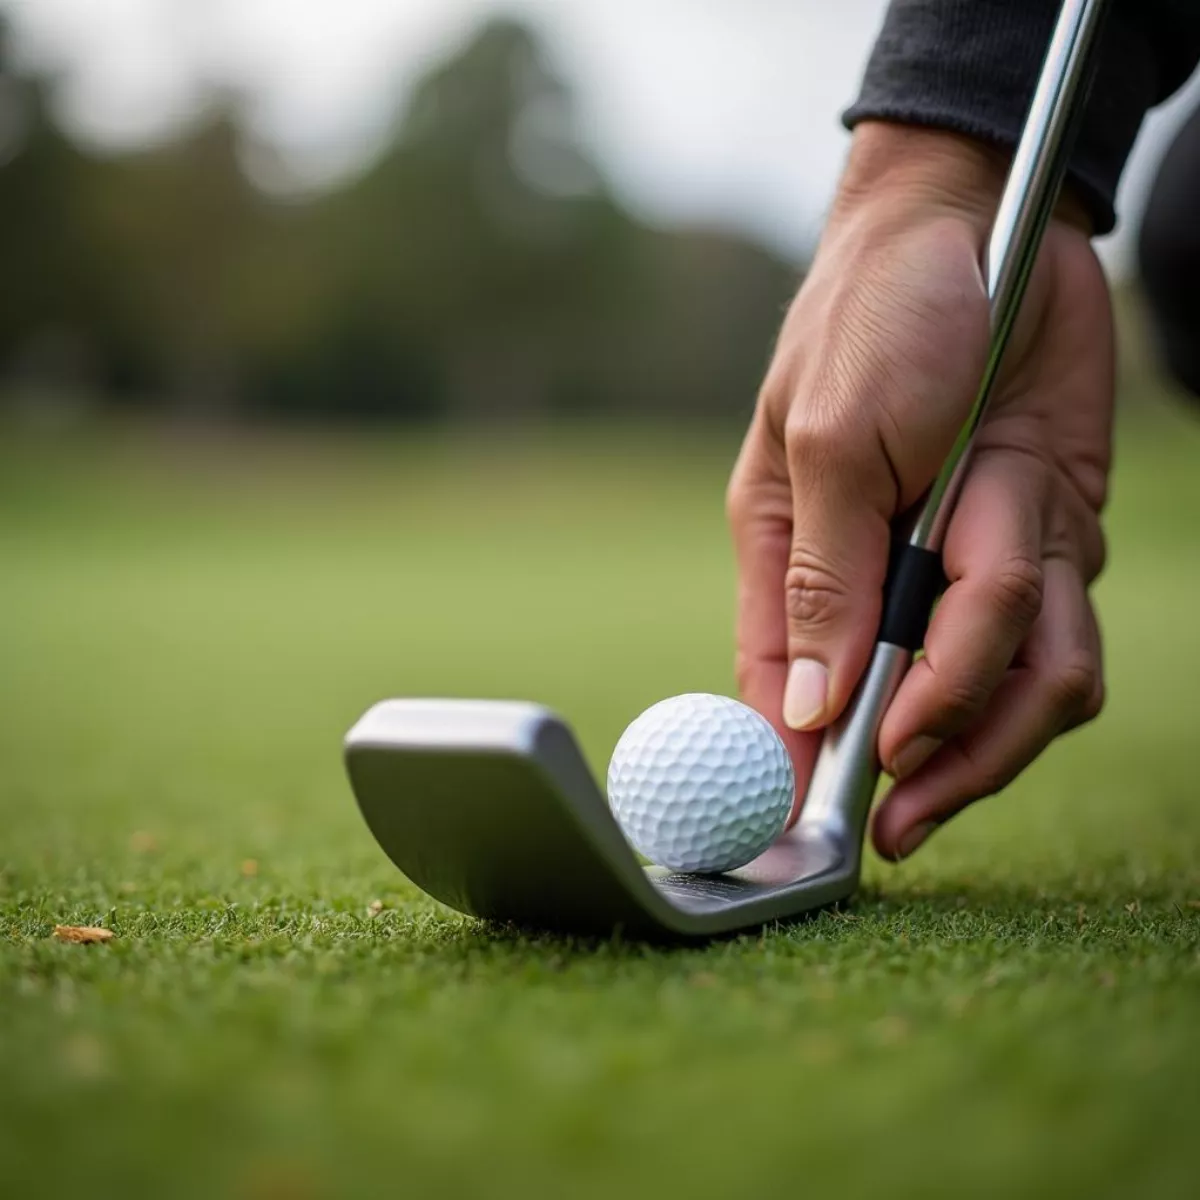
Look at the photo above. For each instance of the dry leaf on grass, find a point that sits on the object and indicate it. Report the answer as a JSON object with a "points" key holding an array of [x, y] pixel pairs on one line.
{"points": [[83, 934]]}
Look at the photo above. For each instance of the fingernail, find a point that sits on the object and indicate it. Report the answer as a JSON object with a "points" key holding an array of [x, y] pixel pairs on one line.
{"points": [[805, 693], [913, 755], [913, 839]]}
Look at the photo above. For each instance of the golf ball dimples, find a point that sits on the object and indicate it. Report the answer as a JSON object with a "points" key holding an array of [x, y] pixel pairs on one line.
{"points": [[701, 783]]}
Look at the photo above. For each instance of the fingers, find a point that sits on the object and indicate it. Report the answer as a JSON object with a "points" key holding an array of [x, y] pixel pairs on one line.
{"points": [[875, 405], [993, 558], [759, 510], [833, 585], [1058, 684]]}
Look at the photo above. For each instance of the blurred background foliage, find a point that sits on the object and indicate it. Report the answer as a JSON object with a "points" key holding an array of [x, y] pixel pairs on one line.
{"points": [[478, 267]]}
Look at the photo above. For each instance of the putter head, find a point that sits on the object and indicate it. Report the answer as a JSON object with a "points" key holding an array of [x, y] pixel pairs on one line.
{"points": [[489, 807]]}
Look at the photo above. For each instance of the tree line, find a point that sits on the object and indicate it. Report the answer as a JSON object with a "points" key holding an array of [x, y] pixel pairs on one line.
{"points": [[479, 266]]}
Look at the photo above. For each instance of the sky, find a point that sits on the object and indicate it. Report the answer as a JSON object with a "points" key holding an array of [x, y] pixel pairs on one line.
{"points": [[715, 110]]}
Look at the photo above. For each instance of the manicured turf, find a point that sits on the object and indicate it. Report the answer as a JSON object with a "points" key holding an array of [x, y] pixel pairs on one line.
{"points": [[188, 630]]}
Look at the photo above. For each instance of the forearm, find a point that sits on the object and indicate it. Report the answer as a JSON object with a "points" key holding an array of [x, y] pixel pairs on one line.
{"points": [[969, 66]]}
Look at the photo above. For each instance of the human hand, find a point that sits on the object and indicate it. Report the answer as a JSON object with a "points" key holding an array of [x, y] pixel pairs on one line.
{"points": [[876, 368]]}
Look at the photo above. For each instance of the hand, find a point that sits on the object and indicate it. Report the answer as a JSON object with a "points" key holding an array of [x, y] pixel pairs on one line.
{"points": [[877, 366]]}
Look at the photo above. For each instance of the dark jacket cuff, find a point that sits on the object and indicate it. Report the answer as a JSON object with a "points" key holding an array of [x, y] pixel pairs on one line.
{"points": [[970, 66]]}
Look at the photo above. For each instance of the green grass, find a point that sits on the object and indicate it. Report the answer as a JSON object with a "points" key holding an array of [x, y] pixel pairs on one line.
{"points": [[189, 628]]}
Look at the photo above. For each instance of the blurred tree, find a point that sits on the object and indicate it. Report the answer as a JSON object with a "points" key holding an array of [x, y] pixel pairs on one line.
{"points": [[480, 267], [179, 226], [51, 284]]}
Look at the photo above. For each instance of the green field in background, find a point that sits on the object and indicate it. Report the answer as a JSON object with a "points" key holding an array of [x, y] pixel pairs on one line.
{"points": [[188, 628]]}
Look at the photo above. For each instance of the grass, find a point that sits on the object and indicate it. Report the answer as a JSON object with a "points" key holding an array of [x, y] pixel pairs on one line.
{"points": [[189, 627]]}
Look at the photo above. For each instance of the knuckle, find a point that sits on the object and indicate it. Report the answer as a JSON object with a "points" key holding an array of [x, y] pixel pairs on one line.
{"points": [[1074, 684], [964, 697], [815, 594], [1016, 591], [1094, 705], [812, 443], [758, 490], [841, 456]]}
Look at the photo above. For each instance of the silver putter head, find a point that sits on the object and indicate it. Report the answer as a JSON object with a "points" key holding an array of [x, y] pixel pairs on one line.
{"points": [[489, 807]]}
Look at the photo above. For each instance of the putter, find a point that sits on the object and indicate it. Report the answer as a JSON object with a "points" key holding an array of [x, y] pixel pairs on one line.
{"points": [[489, 806]]}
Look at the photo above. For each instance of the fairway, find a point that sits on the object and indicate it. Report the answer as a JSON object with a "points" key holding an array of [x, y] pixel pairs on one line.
{"points": [[189, 627]]}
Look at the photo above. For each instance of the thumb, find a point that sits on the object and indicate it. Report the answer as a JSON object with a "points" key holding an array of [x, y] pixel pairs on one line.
{"points": [[879, 395], [876, 369], [843, 494]]}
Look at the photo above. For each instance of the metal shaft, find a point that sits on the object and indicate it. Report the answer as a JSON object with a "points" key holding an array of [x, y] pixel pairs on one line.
{"points": [[1025, 207], [847, 769]]}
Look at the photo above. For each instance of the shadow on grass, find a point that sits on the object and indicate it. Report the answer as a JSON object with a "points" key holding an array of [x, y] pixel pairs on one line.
{"points": [[413, 929], [1109, 895], [957, 910]]}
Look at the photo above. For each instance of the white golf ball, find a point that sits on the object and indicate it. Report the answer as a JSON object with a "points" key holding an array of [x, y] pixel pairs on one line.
{"points": [[701, 783]]}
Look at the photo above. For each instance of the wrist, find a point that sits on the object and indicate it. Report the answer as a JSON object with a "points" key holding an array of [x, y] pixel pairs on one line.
{"points": [[899, 169]]}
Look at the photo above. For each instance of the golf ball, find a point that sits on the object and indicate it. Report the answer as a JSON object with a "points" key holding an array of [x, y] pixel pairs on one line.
{"points": [[701, 783]]}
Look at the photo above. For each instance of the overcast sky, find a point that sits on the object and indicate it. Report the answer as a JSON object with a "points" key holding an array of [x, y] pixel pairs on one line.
{"points": [[717, 109]]}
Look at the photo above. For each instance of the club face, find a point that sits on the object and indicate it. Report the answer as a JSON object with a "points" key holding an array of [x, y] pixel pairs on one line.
{"points": [[490, 807]]}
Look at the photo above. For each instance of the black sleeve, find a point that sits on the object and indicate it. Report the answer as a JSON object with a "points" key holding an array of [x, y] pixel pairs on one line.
{"points": [[970, 66]]}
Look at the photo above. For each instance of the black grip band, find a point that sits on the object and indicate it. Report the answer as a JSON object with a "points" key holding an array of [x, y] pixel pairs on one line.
{"points": [[914, 581]]}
